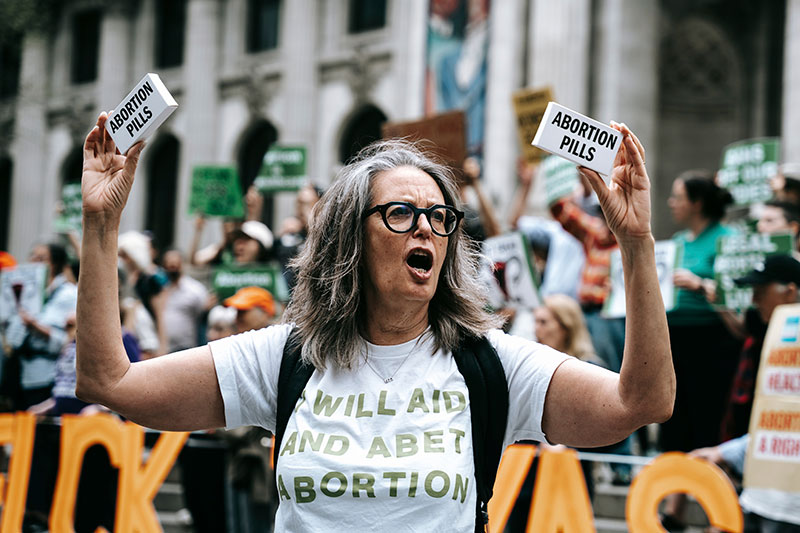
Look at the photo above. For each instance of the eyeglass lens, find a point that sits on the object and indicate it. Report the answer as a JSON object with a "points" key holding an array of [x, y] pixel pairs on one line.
{"points": [[400, 217]]}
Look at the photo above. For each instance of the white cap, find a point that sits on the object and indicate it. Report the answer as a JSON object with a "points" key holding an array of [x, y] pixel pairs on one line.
{"points": [[259, 232]]}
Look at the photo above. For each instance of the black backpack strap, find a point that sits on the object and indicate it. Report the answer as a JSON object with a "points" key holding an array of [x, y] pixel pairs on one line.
{"points": [[486, 381], [292, 379]]}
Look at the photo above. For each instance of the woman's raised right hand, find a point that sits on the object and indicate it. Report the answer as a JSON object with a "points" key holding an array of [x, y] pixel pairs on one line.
{"points": [[107, 175]]}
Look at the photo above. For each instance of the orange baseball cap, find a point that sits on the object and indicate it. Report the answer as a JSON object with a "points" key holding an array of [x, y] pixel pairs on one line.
{"points": [[247, 298], [7, 260]]}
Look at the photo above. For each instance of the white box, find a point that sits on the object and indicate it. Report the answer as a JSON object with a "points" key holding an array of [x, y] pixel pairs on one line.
{"points": [[140, 113], [580, 139]]}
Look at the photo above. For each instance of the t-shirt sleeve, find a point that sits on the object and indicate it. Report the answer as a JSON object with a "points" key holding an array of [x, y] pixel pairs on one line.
{"points": [[529, 367], [247, 367]]}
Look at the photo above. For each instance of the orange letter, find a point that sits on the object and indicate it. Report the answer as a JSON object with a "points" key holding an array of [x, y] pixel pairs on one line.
{"points": [[560, 499], [18, 430], [79, 433], [678, 472], [511, 474]]}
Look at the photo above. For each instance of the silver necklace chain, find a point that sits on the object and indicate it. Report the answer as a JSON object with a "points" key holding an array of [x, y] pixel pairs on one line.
{"points": [[391, 378]]}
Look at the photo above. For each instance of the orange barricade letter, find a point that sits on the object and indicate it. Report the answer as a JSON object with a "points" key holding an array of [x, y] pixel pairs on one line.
{"points": [[678, 472], [18, 430], [511, 474], [78, 434], [560, 499], [138, 484]]}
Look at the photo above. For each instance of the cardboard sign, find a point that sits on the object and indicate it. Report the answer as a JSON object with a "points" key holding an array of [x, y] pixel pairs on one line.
{"points": [[666, 261], [582, 140], [216, 192], [69, 215], [529, 106], [512, 272], [560, 178], [227, 280], [739, 254], [747, 167], [140, 113], [445, 133], [283, 169], [773, 456]]}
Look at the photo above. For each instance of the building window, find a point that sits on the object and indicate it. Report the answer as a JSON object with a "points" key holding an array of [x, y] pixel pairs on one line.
{"points": [[170, 32], [5, 200], [262, 25], [256, 141], [85, 41], [367, 15], [10, 53], [162, 191]]}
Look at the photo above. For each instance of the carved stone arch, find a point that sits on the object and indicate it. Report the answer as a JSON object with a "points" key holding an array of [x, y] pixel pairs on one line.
{"points": [[161, 206], [72, 166], [6, 175], [253, 143], [700, 69], [361, 127]]}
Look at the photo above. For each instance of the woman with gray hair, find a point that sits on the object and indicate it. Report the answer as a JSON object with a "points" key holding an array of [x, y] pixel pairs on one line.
{"points": [[387, 296]]}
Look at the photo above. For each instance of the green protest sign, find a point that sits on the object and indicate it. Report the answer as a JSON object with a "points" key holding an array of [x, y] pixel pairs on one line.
{"points": [[69, 212], [747, 167], [560, 178], [283, 169], [739, 254], [216, 192], [227, 280]]}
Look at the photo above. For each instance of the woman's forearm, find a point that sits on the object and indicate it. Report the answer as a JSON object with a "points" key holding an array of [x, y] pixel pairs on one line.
{"points": [[647, 378], [101, 359]]}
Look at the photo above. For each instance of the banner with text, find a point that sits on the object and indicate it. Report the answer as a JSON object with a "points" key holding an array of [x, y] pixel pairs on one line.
{"points": [[216, 192], [666, 261], [511, 275], [773, 456], [285, 168], [529, 106], [227, 280], [747, 167], [560, 178], [739, 254]]}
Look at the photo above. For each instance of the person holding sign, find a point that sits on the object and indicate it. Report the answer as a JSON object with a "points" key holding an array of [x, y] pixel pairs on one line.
{"points": [[388, 324]]}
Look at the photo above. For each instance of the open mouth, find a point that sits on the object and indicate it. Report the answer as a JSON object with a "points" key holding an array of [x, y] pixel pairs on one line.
{"points": [[420, 260]]}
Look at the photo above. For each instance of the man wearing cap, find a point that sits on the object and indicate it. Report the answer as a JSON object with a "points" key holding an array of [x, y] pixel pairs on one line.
{"points": [[255, 308]]}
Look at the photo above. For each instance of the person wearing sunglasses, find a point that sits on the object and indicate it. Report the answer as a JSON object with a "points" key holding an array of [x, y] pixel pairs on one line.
{"points": [[387, 291]]}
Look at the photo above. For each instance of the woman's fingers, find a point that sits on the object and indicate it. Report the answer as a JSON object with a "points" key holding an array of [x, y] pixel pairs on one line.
{"points": [[596, 182], [132, 158]]}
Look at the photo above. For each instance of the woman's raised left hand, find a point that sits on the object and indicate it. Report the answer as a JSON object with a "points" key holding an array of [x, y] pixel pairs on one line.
{"points": [[626, 198]]}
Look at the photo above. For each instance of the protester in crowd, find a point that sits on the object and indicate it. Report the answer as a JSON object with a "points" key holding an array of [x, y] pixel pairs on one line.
{"points": [[481, 223], [255, 308], [774, 283], [36, 340], [780, 216], [294, 230], [562, 253], [385, 292], [252, 243], [221, 323], [592, 231], [146, 283], [217, 253], [765, 510], [704, 351], [185, 303], [786, 184]]}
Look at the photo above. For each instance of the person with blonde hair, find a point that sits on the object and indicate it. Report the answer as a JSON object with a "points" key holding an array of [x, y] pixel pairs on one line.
{"points": [[560, 324], [388, 304]]}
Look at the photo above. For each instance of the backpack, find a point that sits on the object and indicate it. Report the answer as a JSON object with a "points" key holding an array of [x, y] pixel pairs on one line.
{"points": [[483, 373]]}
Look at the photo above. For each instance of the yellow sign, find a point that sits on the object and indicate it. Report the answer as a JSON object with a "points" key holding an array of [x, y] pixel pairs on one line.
{"points": [[529, 106]]}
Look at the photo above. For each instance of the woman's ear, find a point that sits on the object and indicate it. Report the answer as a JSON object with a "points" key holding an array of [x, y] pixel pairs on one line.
{"points": [[791, 293]]}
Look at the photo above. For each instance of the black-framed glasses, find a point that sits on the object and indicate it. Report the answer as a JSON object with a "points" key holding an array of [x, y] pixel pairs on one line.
{"points": [[401, 217]]}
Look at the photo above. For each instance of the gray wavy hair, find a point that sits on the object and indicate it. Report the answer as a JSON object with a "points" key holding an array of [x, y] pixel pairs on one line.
{"points": [[327, 305]]}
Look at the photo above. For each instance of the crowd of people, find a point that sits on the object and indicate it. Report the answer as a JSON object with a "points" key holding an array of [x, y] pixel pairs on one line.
{"points": [[345, 257]]}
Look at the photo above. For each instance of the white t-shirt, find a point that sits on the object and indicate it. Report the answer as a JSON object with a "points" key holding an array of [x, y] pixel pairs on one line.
{"points": [[359, 454]]}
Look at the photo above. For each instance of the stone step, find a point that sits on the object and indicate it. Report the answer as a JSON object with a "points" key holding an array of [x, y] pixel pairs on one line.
{"points": [[169, 497], [175, 522]]}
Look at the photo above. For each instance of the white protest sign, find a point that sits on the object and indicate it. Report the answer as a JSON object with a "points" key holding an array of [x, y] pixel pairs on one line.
{"points": [[513, 272], [666, 258], [580, 139], [22, 287], [140, 113]]}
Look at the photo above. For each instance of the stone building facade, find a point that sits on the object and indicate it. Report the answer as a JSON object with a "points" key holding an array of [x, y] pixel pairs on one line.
{"points": [[688, 76]]}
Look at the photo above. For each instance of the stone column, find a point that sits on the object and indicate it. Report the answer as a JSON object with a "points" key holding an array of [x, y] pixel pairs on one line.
{"points": [[115, 59], [298, 87], [409, 20], [626, 73], [791, 84], [29, 149], [505, 60], [200, 103]]}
